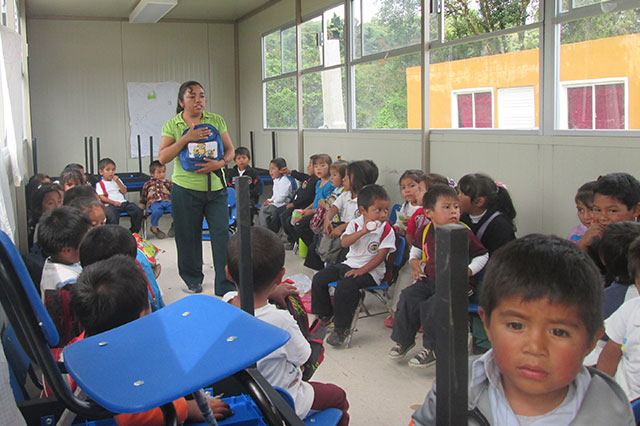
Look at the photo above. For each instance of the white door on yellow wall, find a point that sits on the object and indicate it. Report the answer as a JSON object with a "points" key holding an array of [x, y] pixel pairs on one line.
{"points": [[516, 108]]}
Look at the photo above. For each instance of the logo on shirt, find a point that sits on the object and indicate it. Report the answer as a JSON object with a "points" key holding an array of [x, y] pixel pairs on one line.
{"points": [[373, 247]]}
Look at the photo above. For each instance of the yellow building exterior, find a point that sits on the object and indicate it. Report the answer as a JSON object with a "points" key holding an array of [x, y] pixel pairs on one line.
{"points": [[615, 58]]}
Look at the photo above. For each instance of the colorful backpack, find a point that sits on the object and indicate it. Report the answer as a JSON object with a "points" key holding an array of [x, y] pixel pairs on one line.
{"points": [[194, 152]]}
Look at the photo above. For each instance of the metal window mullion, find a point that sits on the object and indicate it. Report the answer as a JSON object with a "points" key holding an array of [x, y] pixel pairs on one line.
{"points": [[348, 46], [594, 10], [298, 74], [439, 44], [388, 54], [550, 77], [425, 124], [321, 68], [279, 77], [361, 27], [593, 107]]}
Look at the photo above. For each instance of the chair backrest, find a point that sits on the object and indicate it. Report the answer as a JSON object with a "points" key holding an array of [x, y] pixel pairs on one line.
{"points": [[18, 363], [401, 245], [231, 197]]}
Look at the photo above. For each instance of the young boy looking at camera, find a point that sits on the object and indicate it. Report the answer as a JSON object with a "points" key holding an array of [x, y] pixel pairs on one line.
{"points": [[111, 191], [282, 367], [370, 239], [156, 196], [541, 304]]}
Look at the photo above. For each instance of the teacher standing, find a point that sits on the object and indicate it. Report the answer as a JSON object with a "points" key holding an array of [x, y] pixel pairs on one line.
{"points": [[197, 194]]}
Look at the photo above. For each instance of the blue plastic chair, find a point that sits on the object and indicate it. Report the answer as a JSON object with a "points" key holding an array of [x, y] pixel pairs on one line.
{"points": [[635, 406], [233, 216], [381, 292], [19, 363], [393, 214], [328, 417]]}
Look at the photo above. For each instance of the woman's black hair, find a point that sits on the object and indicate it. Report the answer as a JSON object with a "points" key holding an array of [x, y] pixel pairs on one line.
{"points": [[182, 90], [362, 173], [476, 185]]}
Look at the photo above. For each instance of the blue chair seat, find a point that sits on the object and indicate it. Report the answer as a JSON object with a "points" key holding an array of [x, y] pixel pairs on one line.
{"points": [[222, 340]]}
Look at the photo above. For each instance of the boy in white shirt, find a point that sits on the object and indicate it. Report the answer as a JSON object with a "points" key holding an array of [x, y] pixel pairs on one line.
{"points": [[111, 191], [282, 367], [370, 239], [282, 193]]}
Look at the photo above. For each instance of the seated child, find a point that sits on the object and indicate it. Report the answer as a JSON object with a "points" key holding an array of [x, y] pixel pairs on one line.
{"points": [[541, 304], [111, 293], [417, 302], [156, 196], [271, 209], [242, 168], [282, 367], [70, 179], [111, 191], [584, 206], [370, 239], [418, 219], [82, 191], [616, 198], [304, 196], [80, 169], [46, 197], [412, 187], [91, 206]]}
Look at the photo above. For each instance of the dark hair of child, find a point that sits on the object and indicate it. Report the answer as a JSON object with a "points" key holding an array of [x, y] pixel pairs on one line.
{"points": [[613, 249], [362, 173], [32, 186], [436, 192], [82, 191], [106, 162], [267, 253], [322, 158], [634, 259], [340, 166], [585, 193], [279, 162], [540, 266], [369, 194], [433, 178], [73, 166], [85, 204], [38, 197], [71, 175], [241, 150], [103, 242], [108, 294], [60, 228], [182, 90], [497, 198], [621, 186], [313, 157], [415, 175], [155, 165]]}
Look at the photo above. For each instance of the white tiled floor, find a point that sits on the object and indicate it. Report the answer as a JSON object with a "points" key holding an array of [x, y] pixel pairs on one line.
{"points": [[381, 391]]}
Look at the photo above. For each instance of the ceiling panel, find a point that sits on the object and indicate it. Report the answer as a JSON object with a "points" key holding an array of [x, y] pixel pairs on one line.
{"points": [[210, 10]]}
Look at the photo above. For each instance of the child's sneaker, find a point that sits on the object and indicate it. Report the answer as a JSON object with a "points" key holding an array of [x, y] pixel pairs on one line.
{"points": [[388, 322], [398, 350], [424, 359], [338, 336], [159, 233]]}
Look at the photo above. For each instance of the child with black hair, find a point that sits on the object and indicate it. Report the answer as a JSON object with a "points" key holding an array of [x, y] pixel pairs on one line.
{"points": [[156, 196], [30, 188], [47, 197], [111, 191], [70, 179], [82, 191], [282, 367], [79, 168], [417, 302], [60, 232], [304, 196], [541, 304], [413, 184], [487, 210], [418, 219], [242, 168], [584, 207], [111, 293], [370, 239], [273, 207], [91, 206]]}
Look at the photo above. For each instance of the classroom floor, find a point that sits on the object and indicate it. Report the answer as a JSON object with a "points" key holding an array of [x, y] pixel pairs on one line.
{"points": [[381, 391]]}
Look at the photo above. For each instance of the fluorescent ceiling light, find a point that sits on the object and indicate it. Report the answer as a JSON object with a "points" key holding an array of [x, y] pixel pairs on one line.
{"points": [[151, 11]]}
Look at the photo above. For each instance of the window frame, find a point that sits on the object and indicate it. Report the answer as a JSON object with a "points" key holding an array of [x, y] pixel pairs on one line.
{"points": [[471, 91], [563, 104]]}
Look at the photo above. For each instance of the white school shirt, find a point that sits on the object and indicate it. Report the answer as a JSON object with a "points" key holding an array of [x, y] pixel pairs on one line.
{"points": [[347, 207], [282, 191], [623, 327], [366, 247], [282, 367], [406, 211], [113, 190], [57, 275], [485, 368]]}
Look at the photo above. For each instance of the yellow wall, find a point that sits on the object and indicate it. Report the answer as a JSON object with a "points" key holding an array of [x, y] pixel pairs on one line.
{"points": [[604, 58]]}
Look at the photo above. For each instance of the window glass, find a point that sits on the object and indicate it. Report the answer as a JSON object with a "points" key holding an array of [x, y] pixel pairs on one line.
{"points": [[566, 5], [334, 36], [381, 92], [466, 18], [598, 70], [272, 54], [281, 103], [324, 99], [289, 50], [356, 12], [473, 110], [3, 7], [312, 42]]}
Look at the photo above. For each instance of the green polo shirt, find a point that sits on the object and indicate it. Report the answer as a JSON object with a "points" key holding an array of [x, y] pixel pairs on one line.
{"points": [[174, 128]]}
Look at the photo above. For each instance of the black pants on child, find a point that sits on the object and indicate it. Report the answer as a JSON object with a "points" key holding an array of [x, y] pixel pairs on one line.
{"points": [[416, 308], [285, 221], [113, 215], [303, 230], [346, 297]]}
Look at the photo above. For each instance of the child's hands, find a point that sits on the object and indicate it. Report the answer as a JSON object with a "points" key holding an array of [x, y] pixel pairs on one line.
{"points": [[281, 292], [285, 170], [335, 233], [267, 202], [327, 228], [220, 408], [406, 220], [117, 203], [290, 205], [416, 269], [308, 212], [355, 273], [594, 231]]}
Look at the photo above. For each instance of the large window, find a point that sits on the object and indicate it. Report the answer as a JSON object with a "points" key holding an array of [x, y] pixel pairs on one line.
{"points": [[279, 64]]}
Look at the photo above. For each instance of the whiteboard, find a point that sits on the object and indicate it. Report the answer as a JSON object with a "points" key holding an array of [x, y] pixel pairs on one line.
{"points": [[150, 105]]}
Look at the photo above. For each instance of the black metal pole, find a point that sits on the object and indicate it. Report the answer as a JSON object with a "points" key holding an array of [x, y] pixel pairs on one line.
{"points": [[139, 156], [451, 318], [245, 286], [273, 144], [98, 148], [253, 151], [91, 153], [34, 153], [86, 156], [150, 149]]}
